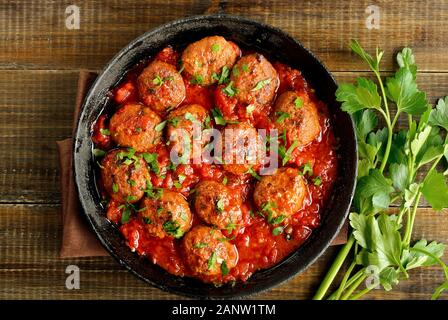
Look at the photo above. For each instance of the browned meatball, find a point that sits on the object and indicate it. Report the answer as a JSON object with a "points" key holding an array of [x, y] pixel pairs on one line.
{"points": [[207, 253], [218, 205], [255, 80], [280, 194], [134, 125], [160, 86], [297, 115], [242, 148], [124, 175], [203, 60], [167, 215], [183, 124]]}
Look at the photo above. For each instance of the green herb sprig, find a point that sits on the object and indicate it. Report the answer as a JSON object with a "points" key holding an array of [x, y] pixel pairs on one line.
{"points": [[389, 163]]}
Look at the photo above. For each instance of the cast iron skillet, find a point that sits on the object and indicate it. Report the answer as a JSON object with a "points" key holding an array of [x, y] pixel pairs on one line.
{"points": [[275, 44]]}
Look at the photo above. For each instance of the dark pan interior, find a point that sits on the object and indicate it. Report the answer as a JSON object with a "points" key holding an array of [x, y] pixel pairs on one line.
{"points": [[276, 44]]}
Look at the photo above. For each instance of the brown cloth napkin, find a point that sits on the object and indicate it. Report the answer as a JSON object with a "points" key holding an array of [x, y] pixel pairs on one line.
{"points": [[77, 238]]}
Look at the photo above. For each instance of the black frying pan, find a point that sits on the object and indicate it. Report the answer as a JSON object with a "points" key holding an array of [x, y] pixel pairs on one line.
{"points": [[275, 44]]}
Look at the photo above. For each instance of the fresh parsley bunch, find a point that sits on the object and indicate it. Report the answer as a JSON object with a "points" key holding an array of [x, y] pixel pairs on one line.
{"points": [[389, 164]]}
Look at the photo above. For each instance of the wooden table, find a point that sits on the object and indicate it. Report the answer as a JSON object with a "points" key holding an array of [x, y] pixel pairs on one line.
{"points": [[39, 63]]}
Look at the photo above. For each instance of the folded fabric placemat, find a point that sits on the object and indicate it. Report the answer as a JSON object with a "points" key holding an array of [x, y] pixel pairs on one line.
{"points": [[78, 240]]}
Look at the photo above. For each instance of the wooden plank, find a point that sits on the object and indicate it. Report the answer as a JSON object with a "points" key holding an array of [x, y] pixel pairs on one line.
{"points": [[33, 34], [31, 269], [39, 111]]}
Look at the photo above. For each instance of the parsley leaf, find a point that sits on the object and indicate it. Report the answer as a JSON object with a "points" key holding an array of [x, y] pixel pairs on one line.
{"points": [[364, 95], [212, 261], [160, 126], [229, 90], [435, 190], [98, 153], [224, 268], [439, 115], [172, 228], [261, 84], [281, 116]]}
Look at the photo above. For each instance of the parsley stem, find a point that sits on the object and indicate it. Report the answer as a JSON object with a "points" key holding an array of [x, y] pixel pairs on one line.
{"points": [[389, 139], [334, 269], [343, 285], [354, 287], [354, 278], [411, 219], [360, 294]]}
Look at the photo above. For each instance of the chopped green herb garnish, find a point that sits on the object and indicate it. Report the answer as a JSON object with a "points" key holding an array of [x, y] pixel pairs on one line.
{"points": [[281, 116], [200, 245], [177, 184], [138, 129], [114, 187], [250, 108], [229, 90], [261, 84], [230, 227], [132, 183], [217, 115], [277, 220], [126, 215], [298, 103], [216, 47], [158, 81], [287, 155], [212, 261], [224, 77], [224, 181], [146, 220], [151, 159], [172, 228], [181, 178], [131, 198], [277, 230], [160, 126], [190, 117], [98, 153], [174, 121], [253, 173], [307, 168], [220, 205], [197, 79], [283, 136], [245, 68], [317, 181], [224, 268], [105, 132]]}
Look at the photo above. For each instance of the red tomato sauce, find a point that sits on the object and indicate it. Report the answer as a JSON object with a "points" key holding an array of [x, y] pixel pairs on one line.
{"points": [[257, 247]]}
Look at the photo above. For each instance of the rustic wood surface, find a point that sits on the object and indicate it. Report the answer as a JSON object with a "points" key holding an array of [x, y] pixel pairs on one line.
{"points": [[39, 63]]}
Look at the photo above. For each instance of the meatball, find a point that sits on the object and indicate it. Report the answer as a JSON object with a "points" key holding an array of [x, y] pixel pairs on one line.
{"points": [[204, 60], [166, 215], [242, 148], [297, 115], [280, 194], [183, 124], [218, 205], [124, 175], [134, 125], [160, 86], [207, 253], [255, 80]]}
